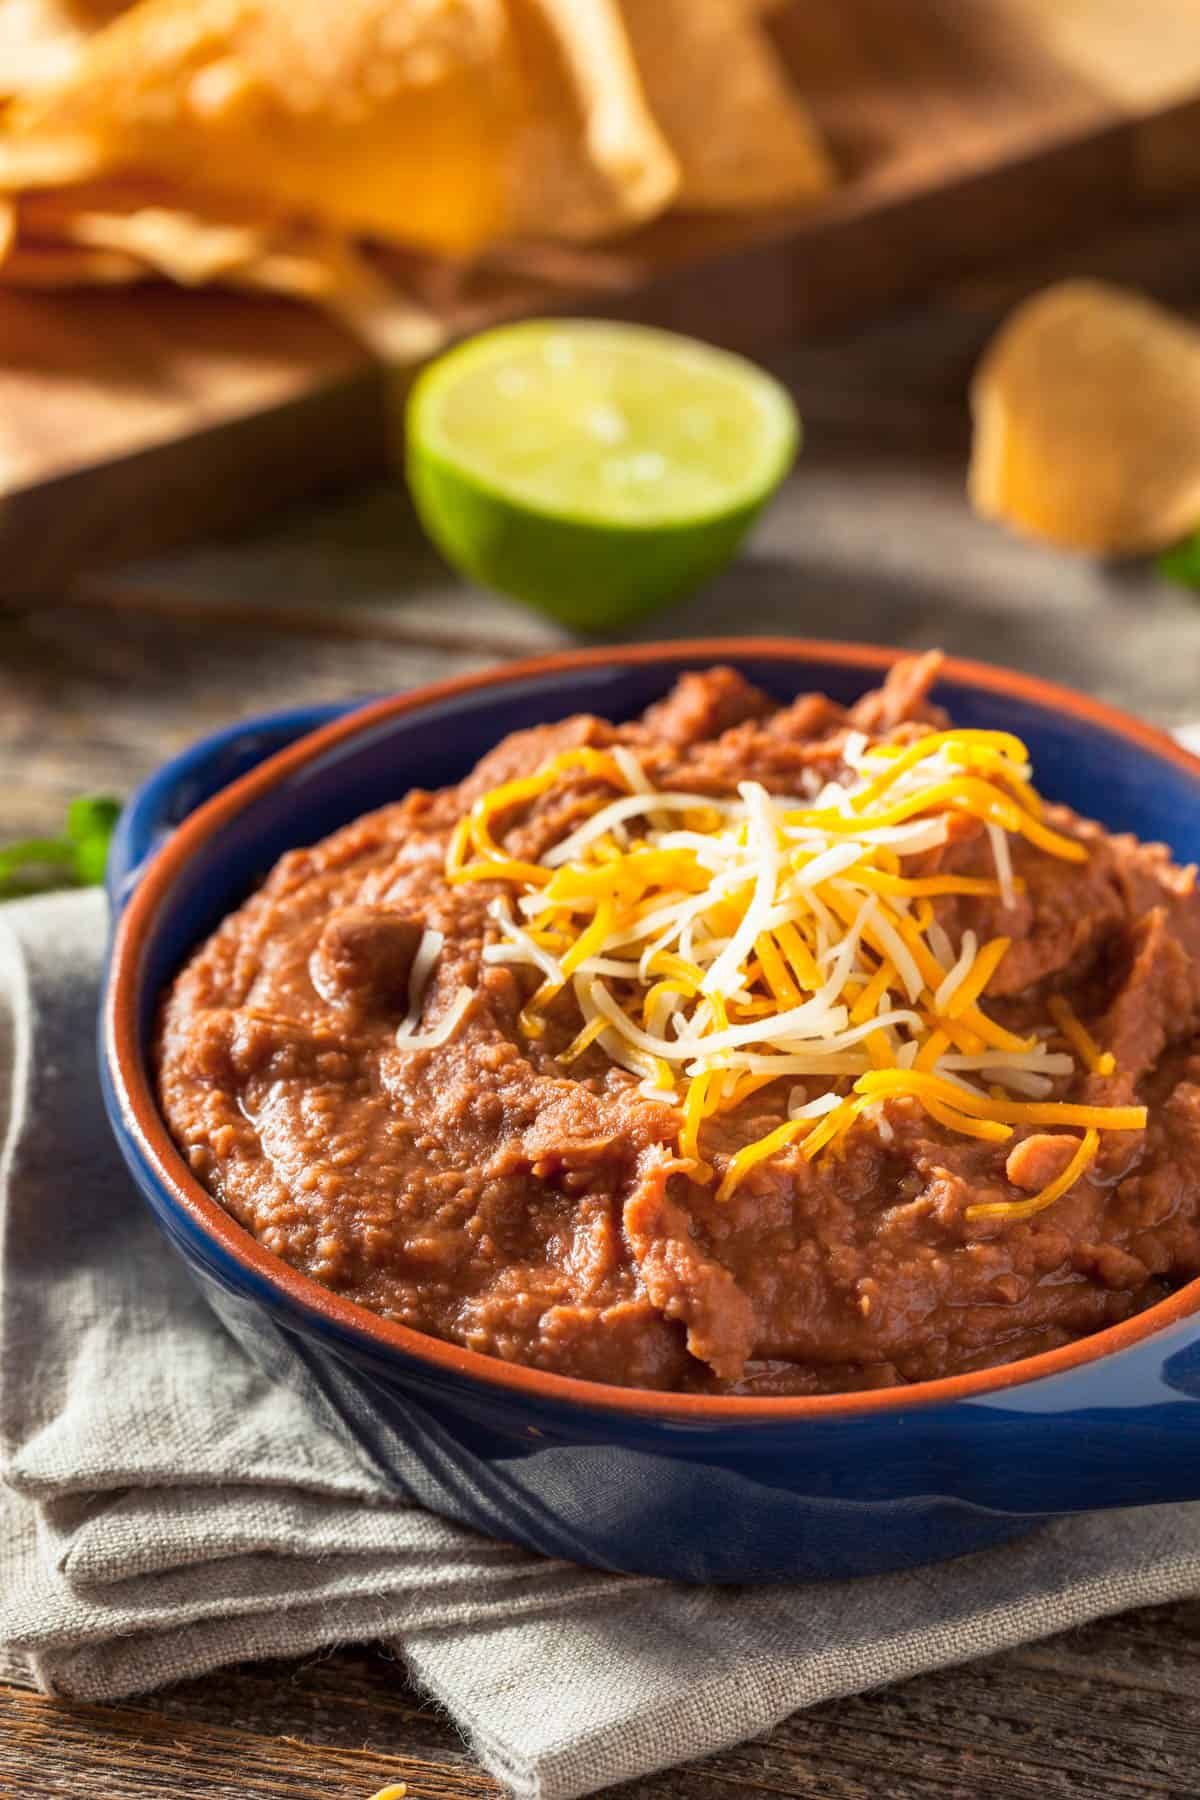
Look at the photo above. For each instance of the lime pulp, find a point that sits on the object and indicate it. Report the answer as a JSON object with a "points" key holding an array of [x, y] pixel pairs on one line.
{"points": [[593, 469]]}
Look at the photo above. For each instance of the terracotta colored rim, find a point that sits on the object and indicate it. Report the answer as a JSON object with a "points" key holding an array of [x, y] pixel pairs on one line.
{"points": [[144, 1121]]}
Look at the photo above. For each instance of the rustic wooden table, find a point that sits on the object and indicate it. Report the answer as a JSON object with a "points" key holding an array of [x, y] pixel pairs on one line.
{"points": [[872, 539]]}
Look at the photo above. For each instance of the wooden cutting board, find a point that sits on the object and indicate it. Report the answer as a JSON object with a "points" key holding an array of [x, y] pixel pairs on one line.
{"points": [[965, 131]]}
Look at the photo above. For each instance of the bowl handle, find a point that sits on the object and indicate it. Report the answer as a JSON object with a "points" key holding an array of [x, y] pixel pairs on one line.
{"points": [[188, 780]]}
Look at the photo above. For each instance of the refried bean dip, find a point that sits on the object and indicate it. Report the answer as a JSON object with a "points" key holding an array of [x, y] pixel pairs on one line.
{"points": [[740, 1049]]}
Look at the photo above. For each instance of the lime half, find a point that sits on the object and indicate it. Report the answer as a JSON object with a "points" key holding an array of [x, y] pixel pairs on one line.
{"points": [[593, 469]]}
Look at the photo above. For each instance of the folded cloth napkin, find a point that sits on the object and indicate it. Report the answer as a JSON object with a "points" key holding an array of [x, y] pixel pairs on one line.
{"points": [[165, 1510]]}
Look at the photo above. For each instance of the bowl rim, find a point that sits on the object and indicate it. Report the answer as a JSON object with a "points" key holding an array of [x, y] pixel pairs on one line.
{"points": [[135, 1097]]}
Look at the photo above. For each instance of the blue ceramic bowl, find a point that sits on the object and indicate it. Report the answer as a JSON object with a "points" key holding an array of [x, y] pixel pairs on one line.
{"points": [[687, 1486]]}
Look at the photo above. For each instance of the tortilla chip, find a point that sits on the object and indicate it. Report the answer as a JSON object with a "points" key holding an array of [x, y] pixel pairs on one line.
{"points": [[385, 117], [591, 158], [1087, 421], [118, 231], [189, 250], [406, 119], [185, 245], [372, 307], [47, 159], [68, 265], [716, 85], [41, 40], [39, 45], [124, 232]]}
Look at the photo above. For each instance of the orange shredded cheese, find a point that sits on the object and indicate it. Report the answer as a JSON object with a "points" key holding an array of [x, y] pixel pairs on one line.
{"points": [[587, 1035], [693, 1113], [1078, 1166], [1008, 1112], [972, 985], [934, 1047], [749, 1084], [953, 1120], [867, 1003], [996, 744], [833, 1126], [775, 971], [1100, 1062], [750, 1154]]}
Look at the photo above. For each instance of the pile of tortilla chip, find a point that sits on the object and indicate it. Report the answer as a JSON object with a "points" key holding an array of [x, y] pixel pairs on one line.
{"points": [[263, 143], [1087, 422]]}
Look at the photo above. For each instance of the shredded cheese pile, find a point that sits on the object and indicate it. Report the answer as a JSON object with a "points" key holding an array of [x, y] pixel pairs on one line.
{"points": [[713, 944]]}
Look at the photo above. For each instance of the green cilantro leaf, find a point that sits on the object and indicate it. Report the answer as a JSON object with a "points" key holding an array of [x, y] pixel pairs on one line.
{"points": [[91, 820], [1181, 562], [76, 859]]}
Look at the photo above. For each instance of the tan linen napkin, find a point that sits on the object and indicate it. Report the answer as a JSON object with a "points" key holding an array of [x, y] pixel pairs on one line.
{"points": [[166, 1510]]}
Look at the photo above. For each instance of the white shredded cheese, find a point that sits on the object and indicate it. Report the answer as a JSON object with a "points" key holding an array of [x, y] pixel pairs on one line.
{"points": [[1002, 857], [958, 974], [428, 951], [764, 842], [541, 959], [443, 1031], [617, 811], [939, 943], [801, 1108]]}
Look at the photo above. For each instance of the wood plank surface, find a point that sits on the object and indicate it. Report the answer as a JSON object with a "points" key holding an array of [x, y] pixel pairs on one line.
{"points": [[870, 539], [1108, 1712], [963, 133]]}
